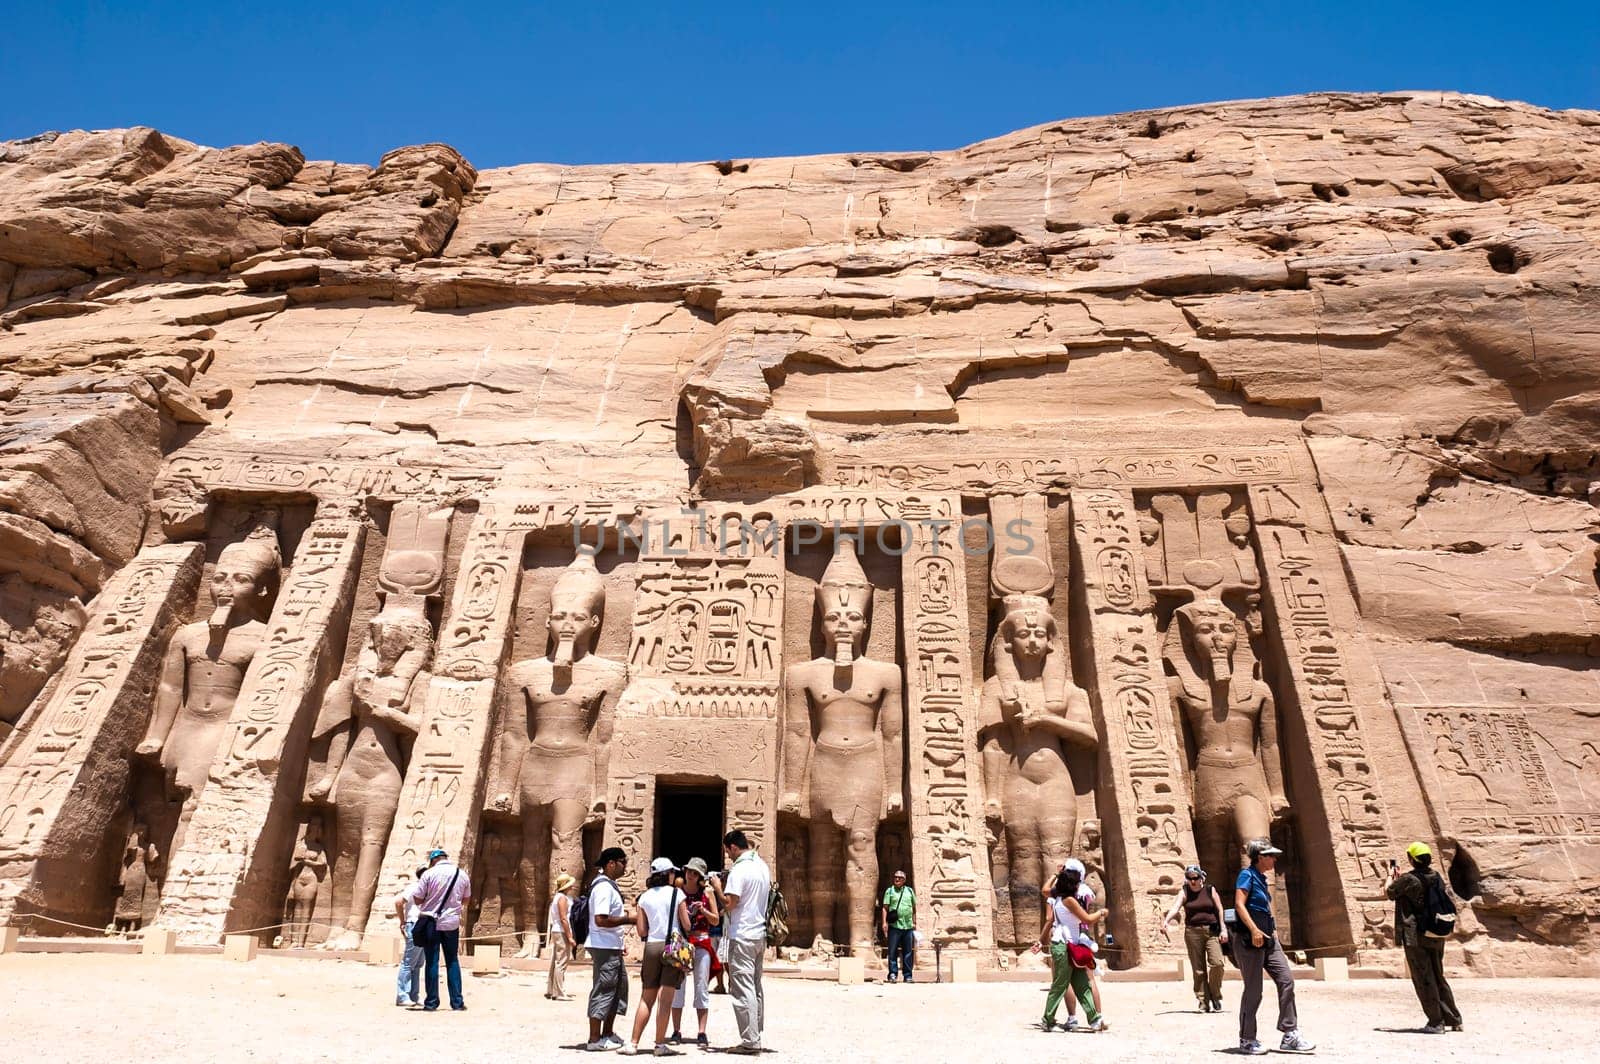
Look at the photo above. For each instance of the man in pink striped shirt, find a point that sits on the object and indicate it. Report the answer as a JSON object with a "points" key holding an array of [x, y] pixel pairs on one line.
{"points": [[442, 893]]}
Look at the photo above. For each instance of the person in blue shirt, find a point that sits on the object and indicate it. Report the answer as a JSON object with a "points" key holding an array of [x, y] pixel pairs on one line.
{"points": [[1258, 951]]}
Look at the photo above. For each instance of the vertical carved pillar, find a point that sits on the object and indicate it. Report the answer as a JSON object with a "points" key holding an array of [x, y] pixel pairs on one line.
{"points": [[66, 779], [444, 782], [1147, 824], [228, 872], [944, 777], [630, 824], [1336, 687]]}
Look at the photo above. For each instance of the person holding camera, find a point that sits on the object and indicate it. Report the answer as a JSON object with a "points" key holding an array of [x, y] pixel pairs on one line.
{"points": [[1204, 933], [1410, 891], [1257, 950]]}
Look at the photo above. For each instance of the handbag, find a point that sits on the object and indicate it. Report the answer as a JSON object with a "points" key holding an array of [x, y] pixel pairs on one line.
{"points": [[425, 932], [1080, 955], [679, 951]]}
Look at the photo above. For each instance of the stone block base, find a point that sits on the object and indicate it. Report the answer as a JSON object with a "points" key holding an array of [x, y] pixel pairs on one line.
{"points": [[158, 942], [239, 947], [1333, 969], [852, 971], [486, 960], [384, 949], [964, 970], [10, 938]]}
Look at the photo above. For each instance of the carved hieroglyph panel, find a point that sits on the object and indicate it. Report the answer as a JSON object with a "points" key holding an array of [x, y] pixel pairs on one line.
{"points": [[65, 778], [1315, 617], [218, 879], [945, 781], [1148, 828]]}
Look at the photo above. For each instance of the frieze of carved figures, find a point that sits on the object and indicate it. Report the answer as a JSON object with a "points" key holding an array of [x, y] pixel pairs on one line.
{"points": [[555, 740], [842, 750], [253, 473]]}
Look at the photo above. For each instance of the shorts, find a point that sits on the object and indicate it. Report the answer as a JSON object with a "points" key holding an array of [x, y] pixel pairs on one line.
{"points": [[654, 973], [608, 995]]}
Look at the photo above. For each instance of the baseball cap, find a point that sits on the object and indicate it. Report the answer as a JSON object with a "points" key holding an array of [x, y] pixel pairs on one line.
{"points": [[436, 853], [1261, 848], [1418, 849], [662, 864], [1073, 865]]}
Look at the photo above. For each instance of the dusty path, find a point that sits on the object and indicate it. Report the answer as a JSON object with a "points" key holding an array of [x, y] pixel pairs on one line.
{"points": [[205, 1009]]}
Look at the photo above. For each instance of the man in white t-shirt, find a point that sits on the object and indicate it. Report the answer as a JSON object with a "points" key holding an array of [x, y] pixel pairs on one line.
{"points": [[608, 916], [744, 899], [442, 893]]}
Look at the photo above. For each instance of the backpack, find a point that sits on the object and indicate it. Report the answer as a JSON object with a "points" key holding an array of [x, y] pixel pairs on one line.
{"points": [[578, 914], [1438, 916], [777, 917]]}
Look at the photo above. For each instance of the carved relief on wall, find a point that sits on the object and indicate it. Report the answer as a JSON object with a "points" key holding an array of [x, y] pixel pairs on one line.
{"points": [[1203, 574], [201, 677], [551, 763], [843, 752], [1031, 716]]}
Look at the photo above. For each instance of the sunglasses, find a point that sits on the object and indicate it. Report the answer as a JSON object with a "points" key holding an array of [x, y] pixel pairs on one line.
{"points": [[1194, 879]]}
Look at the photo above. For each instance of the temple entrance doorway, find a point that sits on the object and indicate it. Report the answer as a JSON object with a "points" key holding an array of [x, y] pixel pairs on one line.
{"points": [[689, 819]]}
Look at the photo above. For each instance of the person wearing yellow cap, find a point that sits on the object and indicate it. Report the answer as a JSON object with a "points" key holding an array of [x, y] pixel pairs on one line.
{"points": [[560, 936], [1424, 915]]}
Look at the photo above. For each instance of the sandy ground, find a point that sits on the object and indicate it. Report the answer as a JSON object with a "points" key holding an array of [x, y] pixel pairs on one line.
{"points": [[130, 1008]]}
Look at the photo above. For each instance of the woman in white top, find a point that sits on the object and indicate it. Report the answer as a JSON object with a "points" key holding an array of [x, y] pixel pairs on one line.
{"points": [[560, 936], [1068, 930], [661, 908]]}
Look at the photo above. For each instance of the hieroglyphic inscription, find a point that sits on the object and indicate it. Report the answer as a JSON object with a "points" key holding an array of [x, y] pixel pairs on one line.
{"points": [[1302, 605], [271, 722], [945, 785], [750, 809], [1130, 467], [629, 824], [315, 474], [65, 777], [1493, 779], [1148, 830]]}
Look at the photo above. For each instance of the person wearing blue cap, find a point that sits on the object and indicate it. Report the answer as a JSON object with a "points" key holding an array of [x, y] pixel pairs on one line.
{"points": [[441, 894]]}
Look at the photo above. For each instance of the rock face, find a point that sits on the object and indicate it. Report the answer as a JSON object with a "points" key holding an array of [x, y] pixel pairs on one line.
{"points": [[1315, 375]]}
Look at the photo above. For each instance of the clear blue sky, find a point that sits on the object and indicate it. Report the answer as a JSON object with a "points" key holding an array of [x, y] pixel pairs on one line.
{"points": [[584, 81]]}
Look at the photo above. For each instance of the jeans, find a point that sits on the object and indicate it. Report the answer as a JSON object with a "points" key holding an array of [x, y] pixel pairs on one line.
{"points": [[1205, 960], [1068, 982], [1252, 961], [449, 941], [902, 941], [408, 984], [745, 960]]}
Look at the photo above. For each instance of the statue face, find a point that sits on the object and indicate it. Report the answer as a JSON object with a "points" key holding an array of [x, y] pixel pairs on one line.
{"points": [[235, 587], [390, 642], [1216, 635], [846, 623], [573, 622], [1030, 636]]}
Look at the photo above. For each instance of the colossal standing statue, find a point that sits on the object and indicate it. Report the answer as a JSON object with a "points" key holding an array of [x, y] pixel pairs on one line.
{"points": [[1232, 726], [555, 740], [370, 720], [1028, 712], [202, 672], [842, 744]]}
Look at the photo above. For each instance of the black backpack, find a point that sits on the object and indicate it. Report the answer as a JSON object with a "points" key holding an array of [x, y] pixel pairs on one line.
{"points": [[578, 914], [1438, 916]]}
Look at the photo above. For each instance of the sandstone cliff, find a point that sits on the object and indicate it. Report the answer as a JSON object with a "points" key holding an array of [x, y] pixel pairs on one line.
{"points": [[1410, 282]]}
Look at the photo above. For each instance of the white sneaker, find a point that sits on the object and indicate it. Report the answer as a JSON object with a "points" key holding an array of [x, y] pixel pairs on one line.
{"points": [[1293, 1043], [1251, 1048], [1099, 1025], [402, 1002], [611, 1041], [1071, 1024], [597, 1047], [629, 1050]]}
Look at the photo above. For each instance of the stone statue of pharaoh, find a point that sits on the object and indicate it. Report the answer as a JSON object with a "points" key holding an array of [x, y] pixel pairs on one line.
{"points": [[1233, 726], [203, 670], [1029, 712], [370, 720], [842, 745], [555, 739], [139, 857]]}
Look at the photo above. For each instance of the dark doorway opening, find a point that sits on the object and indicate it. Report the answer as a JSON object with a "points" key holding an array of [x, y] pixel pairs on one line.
{"points": [[689, 822]]}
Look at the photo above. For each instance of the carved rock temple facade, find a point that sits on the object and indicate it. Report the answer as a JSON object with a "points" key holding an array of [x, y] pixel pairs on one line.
{"points": [[1125, 489]]}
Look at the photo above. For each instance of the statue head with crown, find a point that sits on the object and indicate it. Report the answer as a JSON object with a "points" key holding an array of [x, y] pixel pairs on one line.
{"points": [[576, 602], [844, 602]]}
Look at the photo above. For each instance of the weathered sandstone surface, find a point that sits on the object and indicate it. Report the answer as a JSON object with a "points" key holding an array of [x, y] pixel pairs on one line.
{"points": [[1370, 322]]}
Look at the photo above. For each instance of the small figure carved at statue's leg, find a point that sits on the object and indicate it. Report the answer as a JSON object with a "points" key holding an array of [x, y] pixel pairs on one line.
{"points": [[827, 859], [861, 879]]}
